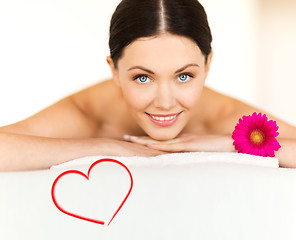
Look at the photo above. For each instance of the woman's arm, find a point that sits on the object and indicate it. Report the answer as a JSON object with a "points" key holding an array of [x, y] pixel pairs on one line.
{"points": [[215, 143], [235, 109], [287, 152], [46, 138], [24, 152], [59, 133]]}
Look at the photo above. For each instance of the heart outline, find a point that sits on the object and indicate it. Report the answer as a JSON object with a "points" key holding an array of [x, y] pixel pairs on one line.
{"points": [[87, 177]]}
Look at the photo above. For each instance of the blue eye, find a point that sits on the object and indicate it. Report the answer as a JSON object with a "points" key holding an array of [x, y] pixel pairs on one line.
{"points": [[183, 77], [142, 79]]}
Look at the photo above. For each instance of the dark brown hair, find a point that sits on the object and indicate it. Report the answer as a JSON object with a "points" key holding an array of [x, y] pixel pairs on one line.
{"points": [[134, 19]]}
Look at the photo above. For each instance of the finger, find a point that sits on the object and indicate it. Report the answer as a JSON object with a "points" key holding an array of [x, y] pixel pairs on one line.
{"points": [[127, 137], [146, 141], [139, 140], [176, 140], [174, 147]]}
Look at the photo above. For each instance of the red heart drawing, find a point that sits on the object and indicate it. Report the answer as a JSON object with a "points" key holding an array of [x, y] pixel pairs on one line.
{"points": [[87, 177]]}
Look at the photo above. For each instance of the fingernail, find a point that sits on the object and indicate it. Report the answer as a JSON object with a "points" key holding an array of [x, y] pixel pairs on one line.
{"points": [[133, 137], [151, 144], [126, 136]]}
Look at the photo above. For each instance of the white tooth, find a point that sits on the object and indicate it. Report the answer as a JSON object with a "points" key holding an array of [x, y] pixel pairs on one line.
{"points": [[171, 117], [164, 118]]}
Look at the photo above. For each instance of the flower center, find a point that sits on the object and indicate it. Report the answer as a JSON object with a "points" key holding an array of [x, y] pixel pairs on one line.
{"points": [[257, 136]]}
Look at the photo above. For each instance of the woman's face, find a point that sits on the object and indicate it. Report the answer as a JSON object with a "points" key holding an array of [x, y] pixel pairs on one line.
{"points": [[161, 78]]}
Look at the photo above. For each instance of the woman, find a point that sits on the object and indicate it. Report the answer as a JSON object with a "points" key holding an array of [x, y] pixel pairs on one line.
{"points": [[156, 102]]}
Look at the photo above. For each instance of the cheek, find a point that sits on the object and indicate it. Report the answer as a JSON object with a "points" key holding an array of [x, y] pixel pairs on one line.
{"points": [[136, 98], [190, 96]]}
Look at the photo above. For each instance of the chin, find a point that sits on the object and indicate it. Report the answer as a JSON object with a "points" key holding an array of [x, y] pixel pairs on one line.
{"points": [[162, 133], [163, 136]]}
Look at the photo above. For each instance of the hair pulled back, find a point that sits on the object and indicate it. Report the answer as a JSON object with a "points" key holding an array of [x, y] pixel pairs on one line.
{"points": [[134, 19]]}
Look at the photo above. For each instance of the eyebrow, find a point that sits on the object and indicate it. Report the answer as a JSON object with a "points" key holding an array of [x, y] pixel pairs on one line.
{"points": [[186, 66], [151, 72]]}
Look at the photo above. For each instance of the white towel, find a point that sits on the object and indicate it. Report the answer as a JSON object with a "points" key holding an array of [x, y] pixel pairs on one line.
{"points": [[179, 159]]}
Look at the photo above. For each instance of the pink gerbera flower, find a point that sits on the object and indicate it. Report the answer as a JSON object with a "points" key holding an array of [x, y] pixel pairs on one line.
{"points": [[256, 135]]}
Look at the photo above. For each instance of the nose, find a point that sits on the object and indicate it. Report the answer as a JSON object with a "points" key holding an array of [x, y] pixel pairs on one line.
{"points": [[164, 97]]}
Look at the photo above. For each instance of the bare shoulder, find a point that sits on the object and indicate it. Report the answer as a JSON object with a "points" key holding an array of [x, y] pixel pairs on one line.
{"points": [[75, 116], [91, 100], [96, 101], [227, 110]]}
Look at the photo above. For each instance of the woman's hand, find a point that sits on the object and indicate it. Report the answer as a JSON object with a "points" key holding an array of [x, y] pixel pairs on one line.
{"points": [[187, 143], [122, 148]]}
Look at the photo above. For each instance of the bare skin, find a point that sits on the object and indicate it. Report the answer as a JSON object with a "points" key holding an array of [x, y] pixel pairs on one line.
{"points": [[110, 118], [81, 121]]}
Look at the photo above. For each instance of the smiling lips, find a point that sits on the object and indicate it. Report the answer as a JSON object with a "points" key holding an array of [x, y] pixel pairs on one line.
{"points": [[164, 120]]}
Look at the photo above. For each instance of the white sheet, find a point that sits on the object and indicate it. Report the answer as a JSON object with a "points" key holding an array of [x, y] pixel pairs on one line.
{"points": [[202, 200], [181, 159]]}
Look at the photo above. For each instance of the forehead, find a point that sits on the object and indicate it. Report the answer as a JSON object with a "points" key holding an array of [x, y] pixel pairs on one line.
{"points": [[163, 49]]}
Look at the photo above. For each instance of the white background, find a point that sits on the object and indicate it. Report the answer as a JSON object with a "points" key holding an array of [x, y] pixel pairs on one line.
{"points": [[52, 48]]}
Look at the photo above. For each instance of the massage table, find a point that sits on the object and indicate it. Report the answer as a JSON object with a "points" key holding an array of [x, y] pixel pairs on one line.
{"points": [[173, 196]]}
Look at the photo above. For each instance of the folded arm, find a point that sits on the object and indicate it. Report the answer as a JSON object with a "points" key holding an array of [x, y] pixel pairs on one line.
{"points": [[58, 134], [215, 143]]}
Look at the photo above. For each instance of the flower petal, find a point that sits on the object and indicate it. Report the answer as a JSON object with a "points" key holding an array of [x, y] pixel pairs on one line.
{"points": [[260, 123], [269, 151]]}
